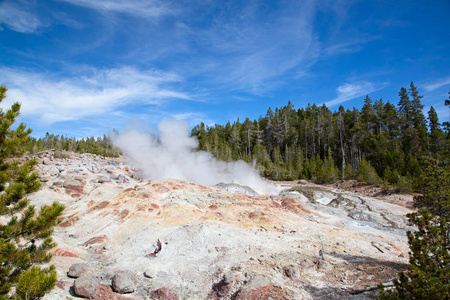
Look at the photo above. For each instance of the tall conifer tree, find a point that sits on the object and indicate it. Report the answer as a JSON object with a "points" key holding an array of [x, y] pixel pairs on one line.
{"points": [[25, 236]]}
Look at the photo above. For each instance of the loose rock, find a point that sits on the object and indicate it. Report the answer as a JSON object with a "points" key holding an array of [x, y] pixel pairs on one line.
{"points": [[74, 186], [291, 271], [76, 270], [85, 285], [163, 294], [223, 287], [151, 272], [122, 283], [104, 179]]}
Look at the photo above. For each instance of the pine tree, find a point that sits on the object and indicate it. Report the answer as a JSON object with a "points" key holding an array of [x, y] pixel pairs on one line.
{"points": [[25, 236], [447, 124], [418, 119], [405, 110], [436, 190], [435, 141], [428, 275], [367, 173]]}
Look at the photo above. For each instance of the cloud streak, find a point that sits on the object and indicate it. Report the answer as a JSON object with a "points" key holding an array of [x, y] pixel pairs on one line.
{"points": [[17, 16], [244, 52], [349, 91], [437, 84], [77, 97], [139, 8]]}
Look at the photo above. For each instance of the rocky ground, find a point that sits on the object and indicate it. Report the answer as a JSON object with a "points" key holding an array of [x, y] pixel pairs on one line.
{"points": [[123, 237]]}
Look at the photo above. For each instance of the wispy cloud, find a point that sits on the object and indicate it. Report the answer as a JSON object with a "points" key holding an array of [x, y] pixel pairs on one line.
{"points": [[140, 8], [437, 84], [351, 46], [351, 91], [99, 93], [193, 118], [16, 15], [250, 53]]}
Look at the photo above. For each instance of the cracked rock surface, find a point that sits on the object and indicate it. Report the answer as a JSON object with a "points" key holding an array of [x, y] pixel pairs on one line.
{"points": [[180, 240]]}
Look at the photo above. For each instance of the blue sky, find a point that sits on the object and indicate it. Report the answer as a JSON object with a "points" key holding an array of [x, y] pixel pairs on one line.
{"points": [[83, 67]]}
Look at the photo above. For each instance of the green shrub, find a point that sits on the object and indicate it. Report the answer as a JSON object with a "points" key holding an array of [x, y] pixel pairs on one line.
{"points": [[35, 282], [61, 154], [428, 275], [25, 234], [367, 173]]}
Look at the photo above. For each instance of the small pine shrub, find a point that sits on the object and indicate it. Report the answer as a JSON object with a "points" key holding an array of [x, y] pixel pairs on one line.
{"points": [[367, 173], [349, 173], [35, 282], [61, 155], [428, 275]]}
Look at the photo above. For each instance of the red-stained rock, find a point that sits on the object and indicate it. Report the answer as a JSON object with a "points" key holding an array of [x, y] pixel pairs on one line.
{"points": [[124, 213], [261, 288], [290, 204], [163, 294], [63, 252], [96, 240], [70, 221], [223, 287], [100, 205], [74, 186], [105, 292], [264, 293]]}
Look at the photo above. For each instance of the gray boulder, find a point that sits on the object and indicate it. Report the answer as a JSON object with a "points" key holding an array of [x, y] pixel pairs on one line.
{"points": [[122, 283], [86, 285], [104, 179], [76, 270]]}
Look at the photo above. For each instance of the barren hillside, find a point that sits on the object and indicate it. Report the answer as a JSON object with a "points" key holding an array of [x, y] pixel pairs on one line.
{"points": [[180, 240]]}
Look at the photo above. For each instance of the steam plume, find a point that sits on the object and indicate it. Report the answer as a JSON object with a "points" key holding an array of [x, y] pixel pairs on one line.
{"points": [[174, 156]]}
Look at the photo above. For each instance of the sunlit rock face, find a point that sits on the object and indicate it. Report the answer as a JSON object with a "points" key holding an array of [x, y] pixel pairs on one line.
{"points": [[176, 239]]}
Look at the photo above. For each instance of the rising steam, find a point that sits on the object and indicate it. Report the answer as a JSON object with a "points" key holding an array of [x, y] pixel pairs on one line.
{"points": [[172, 154]]}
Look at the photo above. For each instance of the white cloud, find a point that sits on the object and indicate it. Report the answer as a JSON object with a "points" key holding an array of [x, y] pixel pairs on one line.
{"points": [[351, 91], [438, 84], [102, 92], [193, 118], [351, 46], [141, 8], [17, 17], [251, 53]]}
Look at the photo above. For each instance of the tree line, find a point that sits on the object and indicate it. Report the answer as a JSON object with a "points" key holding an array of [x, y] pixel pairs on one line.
{"points": [[95, 145], [381, 143]]}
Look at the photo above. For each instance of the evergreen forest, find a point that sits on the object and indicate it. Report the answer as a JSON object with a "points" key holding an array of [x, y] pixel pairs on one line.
{"points": [[382, 143], [100, 145]]}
